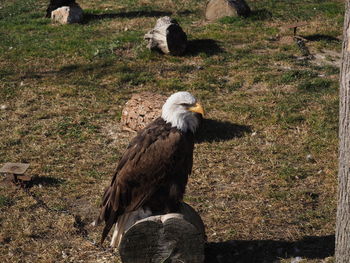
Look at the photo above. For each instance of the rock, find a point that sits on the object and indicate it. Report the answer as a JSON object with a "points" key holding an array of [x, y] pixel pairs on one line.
{"points": [[216, 9], [54, 4], [67, 14], [310, 158], [141, 109], [296, 260]]}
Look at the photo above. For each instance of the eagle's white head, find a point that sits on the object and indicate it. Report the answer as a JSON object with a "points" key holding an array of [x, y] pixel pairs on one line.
{"points": [[181, 110]]}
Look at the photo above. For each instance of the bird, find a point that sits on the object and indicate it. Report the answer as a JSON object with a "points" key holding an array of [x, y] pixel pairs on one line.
{"points": [[151, 176]]}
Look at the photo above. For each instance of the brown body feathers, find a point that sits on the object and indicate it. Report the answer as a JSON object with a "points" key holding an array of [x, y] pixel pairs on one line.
{"points": [[152, 173]]}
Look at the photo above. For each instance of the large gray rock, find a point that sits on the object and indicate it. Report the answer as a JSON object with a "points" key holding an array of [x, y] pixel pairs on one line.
{"points": [[216, 9], [67, 14]]}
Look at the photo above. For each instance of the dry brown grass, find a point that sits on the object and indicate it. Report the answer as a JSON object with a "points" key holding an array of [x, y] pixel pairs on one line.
{"points": [[259, 196]]}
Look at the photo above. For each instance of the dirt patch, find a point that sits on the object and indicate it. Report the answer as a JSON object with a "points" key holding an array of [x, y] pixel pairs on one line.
{"points": [[327, 57]]}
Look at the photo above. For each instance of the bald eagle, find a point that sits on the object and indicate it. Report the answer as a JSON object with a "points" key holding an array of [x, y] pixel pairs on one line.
{"points": [[152, 174]]}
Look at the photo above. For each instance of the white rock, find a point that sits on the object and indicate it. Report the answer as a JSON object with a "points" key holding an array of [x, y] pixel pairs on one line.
{"points": [[296, 260], [64, 254], [310, 158], [67, 14], [3, 107]]}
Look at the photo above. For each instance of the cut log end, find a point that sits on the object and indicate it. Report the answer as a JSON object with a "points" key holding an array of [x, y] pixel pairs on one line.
{"points": [[176, 39], [165, 238]]}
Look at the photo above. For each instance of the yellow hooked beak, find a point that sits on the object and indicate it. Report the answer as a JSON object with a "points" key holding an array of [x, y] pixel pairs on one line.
{"points": [[197, 108]]}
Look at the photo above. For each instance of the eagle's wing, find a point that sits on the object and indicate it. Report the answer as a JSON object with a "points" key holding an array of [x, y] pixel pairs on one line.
{"points": [[152, 159]]}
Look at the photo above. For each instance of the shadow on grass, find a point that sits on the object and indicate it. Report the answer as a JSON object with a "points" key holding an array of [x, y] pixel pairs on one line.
{"points": [[132, 14], [213, 130], [100, 66], [185, 12], [70, 70], [260, 15], [320, 37], [250, 251], [45, 181], [207, 46]]}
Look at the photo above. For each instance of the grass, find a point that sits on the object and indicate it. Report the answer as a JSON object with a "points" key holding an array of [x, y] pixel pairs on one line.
{"points": [[62, 89]]}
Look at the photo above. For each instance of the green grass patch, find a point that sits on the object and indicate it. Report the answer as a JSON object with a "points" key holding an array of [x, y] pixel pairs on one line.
{"points": [[294, 76], [299, 9], [316, 85], [5, 201], [291, 174]]}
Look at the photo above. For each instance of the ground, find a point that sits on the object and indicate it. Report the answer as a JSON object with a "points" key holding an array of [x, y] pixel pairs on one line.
{"points": [[265, 163]]}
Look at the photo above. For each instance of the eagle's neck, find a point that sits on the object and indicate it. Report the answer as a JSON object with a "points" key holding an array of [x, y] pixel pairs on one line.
{"points": [[184, 121]]}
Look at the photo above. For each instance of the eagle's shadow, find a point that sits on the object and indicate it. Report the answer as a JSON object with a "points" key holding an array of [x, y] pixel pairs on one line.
{"points": [[213, 130], [251, 251]]}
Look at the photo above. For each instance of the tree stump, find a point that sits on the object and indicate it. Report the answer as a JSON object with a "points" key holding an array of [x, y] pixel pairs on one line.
{"points": [[141, 109], [175, 237], [167, 36], [216, 9]]}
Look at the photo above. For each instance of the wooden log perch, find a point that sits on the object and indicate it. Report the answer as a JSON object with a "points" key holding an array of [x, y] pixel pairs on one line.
{"points": [[216, 9], [167, 36], [175, 237]]}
